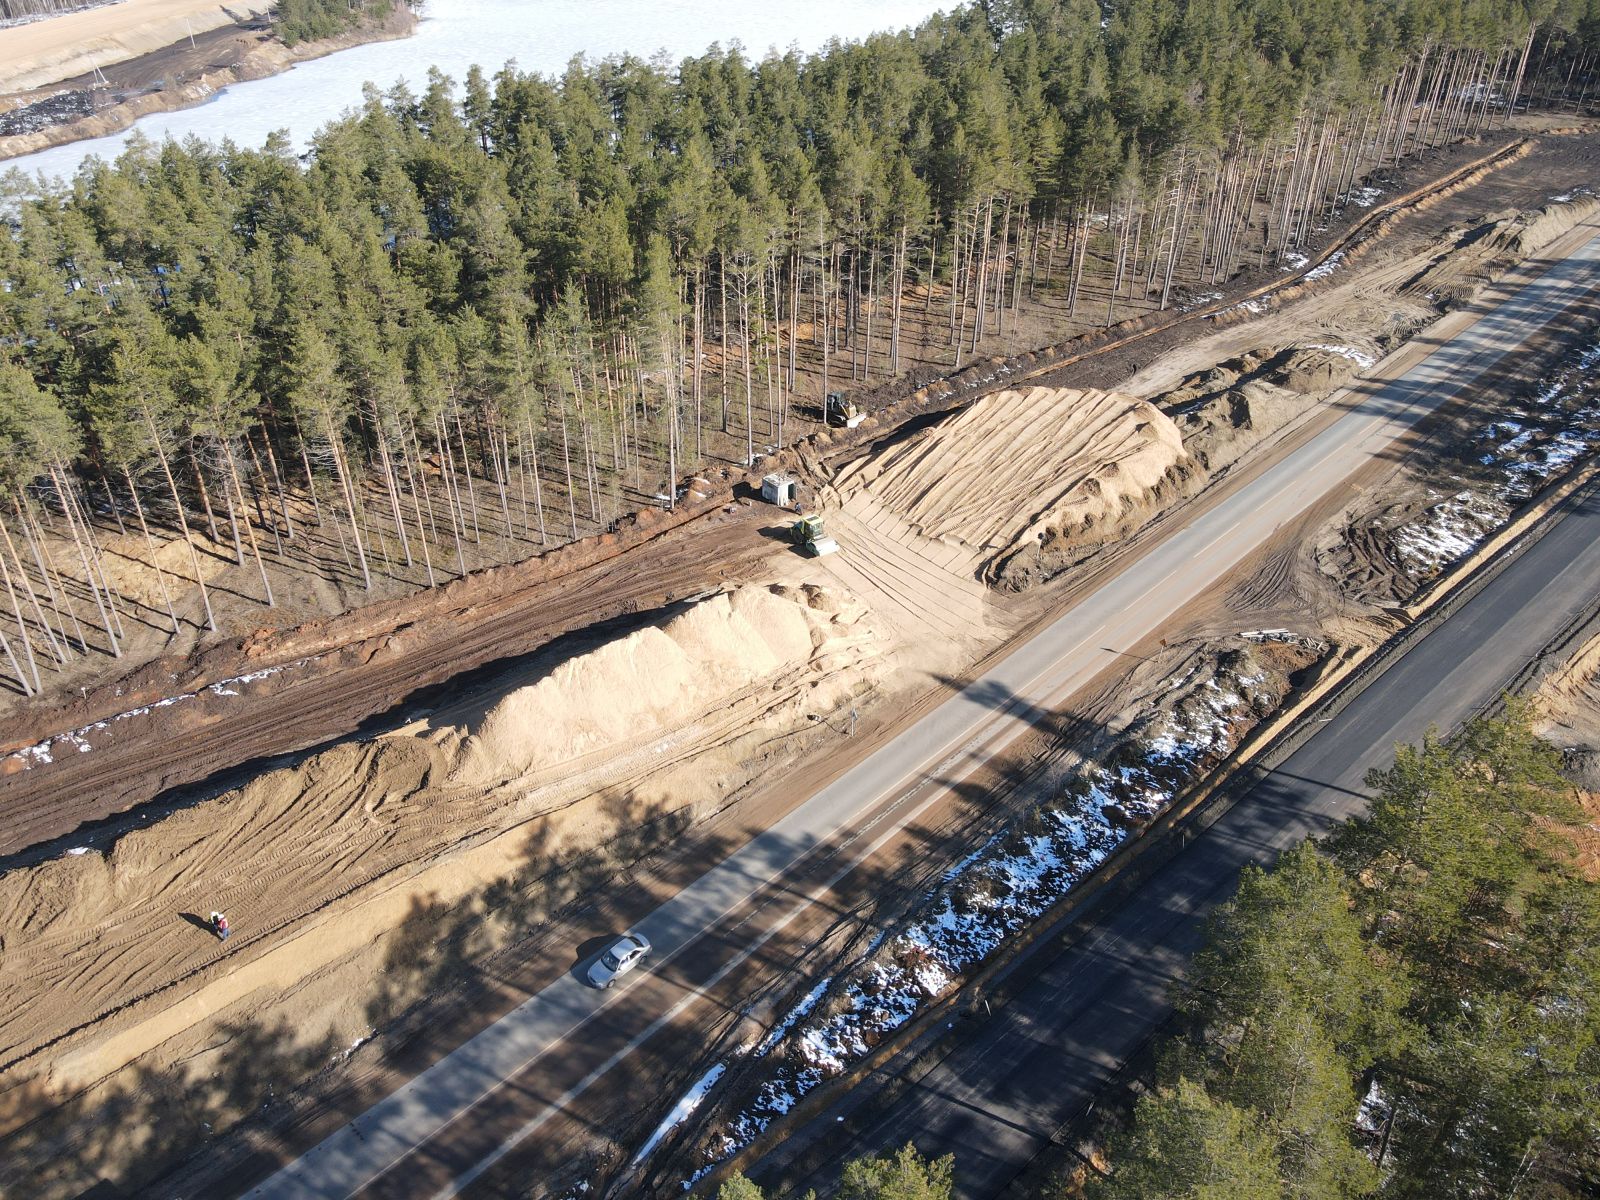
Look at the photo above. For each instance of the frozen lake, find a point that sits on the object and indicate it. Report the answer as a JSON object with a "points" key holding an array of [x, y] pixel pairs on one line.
{"points": [[540, 35]]}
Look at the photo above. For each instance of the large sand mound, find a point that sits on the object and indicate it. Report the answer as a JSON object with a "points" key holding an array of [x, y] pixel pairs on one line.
{"points": [[1020, 470], [1480, 252], [584, 757], [650, 681]]}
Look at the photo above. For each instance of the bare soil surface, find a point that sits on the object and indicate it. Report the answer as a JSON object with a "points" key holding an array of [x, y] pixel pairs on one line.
{"points": [[43, 52], [1016, 476]]}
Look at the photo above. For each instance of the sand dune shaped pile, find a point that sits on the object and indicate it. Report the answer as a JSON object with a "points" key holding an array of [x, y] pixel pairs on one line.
{"points": [[652, 680], [1021, 468]]}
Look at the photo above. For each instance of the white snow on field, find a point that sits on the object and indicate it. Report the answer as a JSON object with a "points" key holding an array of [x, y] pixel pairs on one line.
{"points": [[1326, 268], [81, 740], [1009, 883], [798, 1012], [1200, 301], [1360, 357], [1540, 440], [1253, 307], [680, 1112], [1295, 261], [1365, 197], [1525, 447], [1447, 531]]}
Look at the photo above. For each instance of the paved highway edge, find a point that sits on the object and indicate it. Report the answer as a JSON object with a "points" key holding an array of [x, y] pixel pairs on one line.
{"points": [[928, 1038]]}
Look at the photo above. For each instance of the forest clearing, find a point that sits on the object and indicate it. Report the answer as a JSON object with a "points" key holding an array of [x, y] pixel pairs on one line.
{"points": [[383, 562]]}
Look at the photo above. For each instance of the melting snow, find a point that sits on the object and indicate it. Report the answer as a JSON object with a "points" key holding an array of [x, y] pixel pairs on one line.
{"points": [[1008, 883], [1326, 268], [43, 752], [807, 1003], [1447, 531], [1200, 301], [1360, 357], [680, 1111]]}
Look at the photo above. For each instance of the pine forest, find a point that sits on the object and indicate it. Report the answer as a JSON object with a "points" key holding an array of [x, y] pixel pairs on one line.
{"points": [[481, 320]]}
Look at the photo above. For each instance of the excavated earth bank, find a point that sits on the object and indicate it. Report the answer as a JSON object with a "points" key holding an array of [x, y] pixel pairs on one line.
{"points": [[1020, 475]]}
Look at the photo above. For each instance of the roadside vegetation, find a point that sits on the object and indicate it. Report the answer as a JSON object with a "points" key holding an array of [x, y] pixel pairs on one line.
{"points": [[904, 1175], [1410, 1008], [471, 325]]}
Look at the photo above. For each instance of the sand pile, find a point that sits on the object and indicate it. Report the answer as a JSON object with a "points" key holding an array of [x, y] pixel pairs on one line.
{"points": [[1478, 253], [1569, 711], [74, 44], [104, 961], [653, 680], [1021, 473], [1225, 410], [1568, 704], [1524, 233]]}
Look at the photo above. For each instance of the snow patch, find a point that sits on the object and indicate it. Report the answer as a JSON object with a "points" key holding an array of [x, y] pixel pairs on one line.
{"points": [[1360, 357], [991, 895], [799, 1011], [1326, 268], [1447, 532], [41, 753], [679, 1113]]}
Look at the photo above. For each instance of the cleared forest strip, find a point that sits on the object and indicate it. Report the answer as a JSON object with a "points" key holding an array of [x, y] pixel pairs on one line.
{"points": [[604, 382]]}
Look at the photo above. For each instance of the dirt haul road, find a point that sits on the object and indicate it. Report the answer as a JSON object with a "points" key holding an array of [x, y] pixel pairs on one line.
{"points": [[892, 786]]}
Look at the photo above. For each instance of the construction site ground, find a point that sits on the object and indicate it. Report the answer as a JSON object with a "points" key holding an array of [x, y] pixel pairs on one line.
{"points": [[456, 943]]}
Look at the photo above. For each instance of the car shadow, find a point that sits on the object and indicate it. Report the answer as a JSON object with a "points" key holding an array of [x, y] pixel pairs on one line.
{"points": [[588, 950], [199, 922]]}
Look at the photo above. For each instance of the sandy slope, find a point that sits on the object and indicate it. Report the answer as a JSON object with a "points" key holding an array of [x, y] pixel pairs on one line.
{"points": [[43, 52], [1018, 468], [577, 750]]}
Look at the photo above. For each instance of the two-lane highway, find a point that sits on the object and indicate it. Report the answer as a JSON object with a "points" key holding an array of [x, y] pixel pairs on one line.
{"points": [[997, 1099]]}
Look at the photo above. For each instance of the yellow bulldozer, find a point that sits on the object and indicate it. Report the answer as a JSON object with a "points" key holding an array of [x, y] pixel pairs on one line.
{"points": [[841, 412]]}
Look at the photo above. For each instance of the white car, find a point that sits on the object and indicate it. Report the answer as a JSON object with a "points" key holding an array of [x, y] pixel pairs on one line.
{"points": [[624, 956]]}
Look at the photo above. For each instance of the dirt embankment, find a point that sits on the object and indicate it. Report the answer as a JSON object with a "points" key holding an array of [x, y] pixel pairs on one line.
{"points": [[480, 821], [1568, 704], [61, 47], [73, 96], [369, 637], [579, 764], [1021, 476], [1487, 456], [1165, 724]]}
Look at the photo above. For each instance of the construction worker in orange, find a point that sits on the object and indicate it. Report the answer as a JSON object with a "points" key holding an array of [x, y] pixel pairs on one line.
{"points": [[219, 924]]}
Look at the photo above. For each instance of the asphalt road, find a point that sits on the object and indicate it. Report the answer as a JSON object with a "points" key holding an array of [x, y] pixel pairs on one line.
{"points": [[908, 775], [999, 1097]]}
